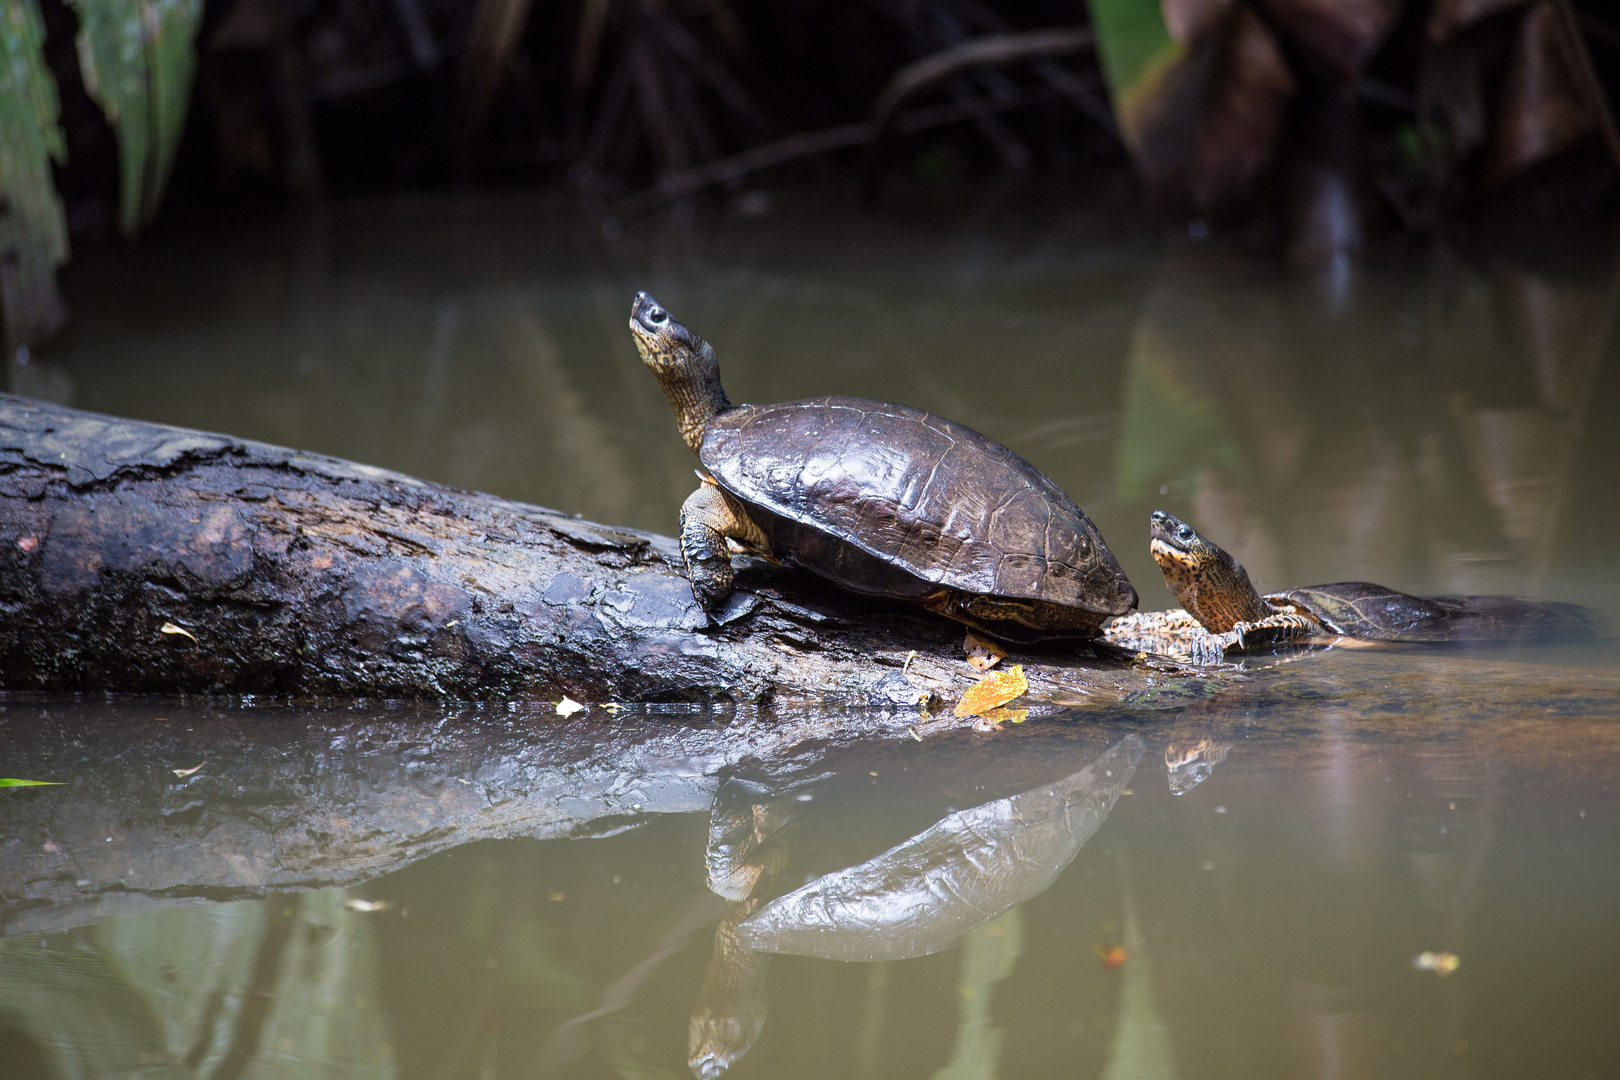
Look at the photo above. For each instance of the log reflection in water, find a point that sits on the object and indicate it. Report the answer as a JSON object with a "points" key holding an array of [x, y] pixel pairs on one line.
{"points": [[920, 896], [313, 798], [294, 799]]}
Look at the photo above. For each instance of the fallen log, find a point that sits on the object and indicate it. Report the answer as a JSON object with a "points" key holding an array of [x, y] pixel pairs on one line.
{"points": [[136, 557]]}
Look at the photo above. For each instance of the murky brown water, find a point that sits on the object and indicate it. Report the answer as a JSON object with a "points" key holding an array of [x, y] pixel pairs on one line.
{"points": [[1273, 861]]}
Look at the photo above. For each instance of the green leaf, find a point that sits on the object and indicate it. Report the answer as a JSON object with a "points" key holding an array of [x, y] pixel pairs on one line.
{"points": [[1132, 42], [33, 228], [6, 781], [137, 62]]}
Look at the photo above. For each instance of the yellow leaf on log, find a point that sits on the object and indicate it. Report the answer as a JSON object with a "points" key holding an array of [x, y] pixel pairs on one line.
{"points": [[995, 689]]}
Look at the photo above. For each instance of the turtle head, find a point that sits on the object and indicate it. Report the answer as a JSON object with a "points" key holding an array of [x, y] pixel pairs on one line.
{"points": [[1177, 542], [684, 365], [1208, 582]]}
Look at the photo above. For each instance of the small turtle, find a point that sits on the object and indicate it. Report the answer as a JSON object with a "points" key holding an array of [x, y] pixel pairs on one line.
{"points": [[1223, 613], [883, 500]]}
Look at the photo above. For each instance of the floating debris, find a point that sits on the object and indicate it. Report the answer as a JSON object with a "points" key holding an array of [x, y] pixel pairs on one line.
{"points": [[995, 689], [568, 707], [171, 628], [1441, 963], [1112, 956], [366, 907], [183, 773], [6, 781]]}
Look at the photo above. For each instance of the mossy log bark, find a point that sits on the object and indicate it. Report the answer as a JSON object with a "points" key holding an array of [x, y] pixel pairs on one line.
{"points": [[136, 557]]}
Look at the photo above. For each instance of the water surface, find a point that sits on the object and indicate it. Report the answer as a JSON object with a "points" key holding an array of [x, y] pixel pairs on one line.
{"points": [[489, 891]]}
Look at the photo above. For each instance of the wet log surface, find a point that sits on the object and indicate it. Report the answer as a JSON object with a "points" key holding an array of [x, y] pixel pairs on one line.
{"points": [[137, 557]]}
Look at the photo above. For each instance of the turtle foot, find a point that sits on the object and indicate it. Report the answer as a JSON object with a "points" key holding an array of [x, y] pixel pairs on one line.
{"points": [[711, 585]]}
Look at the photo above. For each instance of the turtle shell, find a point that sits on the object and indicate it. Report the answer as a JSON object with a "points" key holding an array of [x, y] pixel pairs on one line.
{"points": [[890, 500], [1360, 609]]}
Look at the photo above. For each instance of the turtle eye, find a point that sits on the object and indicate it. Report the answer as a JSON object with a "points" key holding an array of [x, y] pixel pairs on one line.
{"points": [[657, 316], [1185, 534]]}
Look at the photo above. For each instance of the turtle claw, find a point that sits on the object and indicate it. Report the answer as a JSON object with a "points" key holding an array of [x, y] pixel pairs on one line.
{"points": [[1209, 650]]}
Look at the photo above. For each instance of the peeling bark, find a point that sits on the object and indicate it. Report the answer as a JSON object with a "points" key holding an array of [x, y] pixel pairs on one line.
{"points": [[286, 573]]}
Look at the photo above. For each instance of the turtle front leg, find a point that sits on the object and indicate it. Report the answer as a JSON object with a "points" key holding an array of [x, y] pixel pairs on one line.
{"points": [[1265, 633], [708, 517]]}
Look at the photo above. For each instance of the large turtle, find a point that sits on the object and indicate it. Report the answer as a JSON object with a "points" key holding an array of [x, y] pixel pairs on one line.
{"points": [[881, 499], [1223, 613]]}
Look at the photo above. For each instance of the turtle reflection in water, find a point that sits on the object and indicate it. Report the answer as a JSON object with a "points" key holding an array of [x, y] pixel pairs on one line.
{"points": [[880, 499], [917, 898], [1223, 614], [746, 850], [1188, 763]]}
